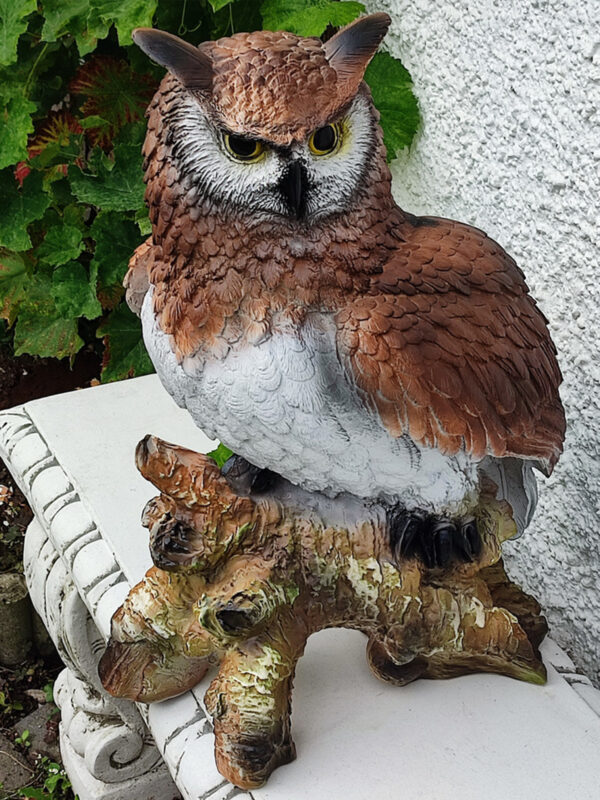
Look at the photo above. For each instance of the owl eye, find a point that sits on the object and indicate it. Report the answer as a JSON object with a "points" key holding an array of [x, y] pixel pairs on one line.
{"points": [[243, 149], [324, 140]]}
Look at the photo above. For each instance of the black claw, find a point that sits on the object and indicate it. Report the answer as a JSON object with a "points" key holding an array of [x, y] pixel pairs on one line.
{"points": [[244, 478], [425, 548], [444, 532], [436, 541], [405, 529], [469, 540]]}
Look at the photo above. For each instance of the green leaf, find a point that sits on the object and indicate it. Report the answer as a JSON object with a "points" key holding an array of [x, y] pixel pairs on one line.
{"points": [[32, 793], [116, 239], [78, 18], [59, 152], [118, 189], [15, 119], [13, 23], [13, 284], [391, 87], [93, 121], [90, 20], [143, 222], [62, 243], [126, 15], [308, 17], [220, 454], [46, 335], [62, 17], [74, 291], [125, 354], [216, 5], [20, 207], [74, 216]]}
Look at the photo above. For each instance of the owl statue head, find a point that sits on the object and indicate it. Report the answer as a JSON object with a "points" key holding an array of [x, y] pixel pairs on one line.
{"points": [[268, 124]]}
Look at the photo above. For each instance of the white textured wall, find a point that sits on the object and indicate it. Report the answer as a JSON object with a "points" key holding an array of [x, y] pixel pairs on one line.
{"points": [[510, 97]]}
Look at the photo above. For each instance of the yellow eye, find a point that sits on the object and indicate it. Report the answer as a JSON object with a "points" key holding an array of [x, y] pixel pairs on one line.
{"points": [[325, 140], [243, 149]]}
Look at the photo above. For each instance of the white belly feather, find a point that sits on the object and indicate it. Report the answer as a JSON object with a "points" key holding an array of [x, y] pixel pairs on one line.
{"points": [[286, 404]]}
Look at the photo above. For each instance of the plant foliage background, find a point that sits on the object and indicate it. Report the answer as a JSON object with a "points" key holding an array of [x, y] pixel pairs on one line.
{"points": [[73, 91]]}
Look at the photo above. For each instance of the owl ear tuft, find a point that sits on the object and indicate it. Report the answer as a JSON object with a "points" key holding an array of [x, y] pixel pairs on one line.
{"points": [[186, 62], [350, 49]]}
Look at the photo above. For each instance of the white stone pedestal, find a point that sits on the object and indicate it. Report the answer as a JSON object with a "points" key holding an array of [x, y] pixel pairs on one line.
{"points": [[357, 739]]}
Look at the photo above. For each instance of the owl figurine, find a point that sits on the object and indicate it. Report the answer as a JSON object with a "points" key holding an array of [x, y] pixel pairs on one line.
{"points": [[310, 324]]}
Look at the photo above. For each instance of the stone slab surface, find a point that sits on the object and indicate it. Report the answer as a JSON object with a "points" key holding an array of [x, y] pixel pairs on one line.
{"points": [[36, 724], [93, 433], [14, 770], [357, 738], [479, 736]]}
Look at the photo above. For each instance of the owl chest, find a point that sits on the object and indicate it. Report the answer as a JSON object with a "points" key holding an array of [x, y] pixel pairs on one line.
{"points": [[286, 403], [282, 399], [286, 381]]}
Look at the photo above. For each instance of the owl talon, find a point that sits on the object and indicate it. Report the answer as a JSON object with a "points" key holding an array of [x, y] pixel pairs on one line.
{"points": [[436, 541], [406, 528], [441, 551], [244, 478], [468, 541]]}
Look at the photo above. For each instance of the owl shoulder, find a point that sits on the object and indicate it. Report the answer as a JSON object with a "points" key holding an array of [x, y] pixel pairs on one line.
{"points": [[436, 255], [448, 345]]}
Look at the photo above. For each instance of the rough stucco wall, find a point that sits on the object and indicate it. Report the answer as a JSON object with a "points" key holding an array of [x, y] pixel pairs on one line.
{"points": [[510, 96]]}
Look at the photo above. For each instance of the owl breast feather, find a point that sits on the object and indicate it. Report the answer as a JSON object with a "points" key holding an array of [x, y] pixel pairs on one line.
{"points": [[287, 405]]}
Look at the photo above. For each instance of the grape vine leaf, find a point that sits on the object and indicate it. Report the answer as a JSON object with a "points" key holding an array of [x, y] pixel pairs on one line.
{"points": [[115, 187], [116, 238], [124, 353], [13, 22], [13, 284], [20, 207], [62, 243], [46, 334], [308, 17], [15, 119], [391, 87], [74, 291]]}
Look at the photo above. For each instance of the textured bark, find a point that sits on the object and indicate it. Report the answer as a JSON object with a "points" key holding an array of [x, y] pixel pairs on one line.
{"points": [[242, 582]]}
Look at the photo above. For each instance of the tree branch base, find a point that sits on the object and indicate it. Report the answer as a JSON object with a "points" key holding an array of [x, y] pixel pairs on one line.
{"points": [[240, 583]]}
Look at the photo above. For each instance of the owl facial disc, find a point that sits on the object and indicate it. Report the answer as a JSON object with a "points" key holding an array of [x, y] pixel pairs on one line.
{"points": [[269, 124]]}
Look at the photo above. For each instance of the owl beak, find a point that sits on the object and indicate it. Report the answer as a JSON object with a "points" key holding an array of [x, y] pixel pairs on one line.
{"points": [[293, 187]]}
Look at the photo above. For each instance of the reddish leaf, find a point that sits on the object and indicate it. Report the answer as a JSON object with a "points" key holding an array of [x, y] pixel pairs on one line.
{"points": [[55, 129], [114, 92]]}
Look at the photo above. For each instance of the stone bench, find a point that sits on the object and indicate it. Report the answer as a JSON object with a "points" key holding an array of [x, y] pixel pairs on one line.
{"points": [[357, 738]]}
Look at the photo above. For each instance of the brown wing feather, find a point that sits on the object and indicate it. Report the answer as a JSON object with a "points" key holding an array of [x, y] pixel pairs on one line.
{"points": [[136, 281], [449, 347]]}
